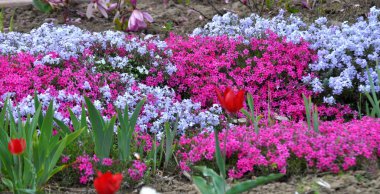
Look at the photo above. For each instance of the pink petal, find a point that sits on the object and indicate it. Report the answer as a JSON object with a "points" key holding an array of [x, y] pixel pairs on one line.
{"points": [[141, 25], [90, 10], [112, 7], [138, 15], [132, 24], [148, 17], [103, 11], [134, 2]]}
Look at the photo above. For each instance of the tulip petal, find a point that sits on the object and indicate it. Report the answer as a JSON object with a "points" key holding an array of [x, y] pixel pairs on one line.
{"points": [[230, 99], [240, 99], [138, 15], [220, 98], [132, 23], [103, 11], [90, 10], [148, 17]]}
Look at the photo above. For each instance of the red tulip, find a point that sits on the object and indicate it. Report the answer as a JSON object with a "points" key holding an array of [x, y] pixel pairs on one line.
{"points": [[107, 183], [17, 146], [230, 101]]}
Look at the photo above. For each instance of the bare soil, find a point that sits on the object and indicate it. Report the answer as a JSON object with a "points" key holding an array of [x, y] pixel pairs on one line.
{"points": [[350, 182], [184, 17]]}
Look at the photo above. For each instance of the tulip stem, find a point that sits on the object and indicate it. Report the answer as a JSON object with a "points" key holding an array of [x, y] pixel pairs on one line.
{"points": [[225, 145], [19, 167]]}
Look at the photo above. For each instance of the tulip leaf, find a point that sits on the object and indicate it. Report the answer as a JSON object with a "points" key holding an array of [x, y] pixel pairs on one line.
{"points": [[42, 6], [218, 182], [126, 129], [202, 185], [246, 185], [218, 154]]}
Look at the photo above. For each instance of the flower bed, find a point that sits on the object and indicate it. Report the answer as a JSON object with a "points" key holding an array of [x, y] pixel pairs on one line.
{"points": [[339, 146], [344, 52], [174, 84]]}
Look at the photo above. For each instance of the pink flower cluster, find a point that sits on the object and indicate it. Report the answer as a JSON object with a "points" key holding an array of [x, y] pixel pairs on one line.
{"points": [[337, 147], [137, 170], [21, 78], [85, 167], [271, 69]]}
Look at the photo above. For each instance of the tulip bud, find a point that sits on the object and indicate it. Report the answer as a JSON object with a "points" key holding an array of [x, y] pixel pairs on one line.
{"points": [[134, 3]]}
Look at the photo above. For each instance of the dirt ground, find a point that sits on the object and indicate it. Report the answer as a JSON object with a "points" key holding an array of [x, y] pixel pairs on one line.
{"points": [[350, 182], [185, 17]]}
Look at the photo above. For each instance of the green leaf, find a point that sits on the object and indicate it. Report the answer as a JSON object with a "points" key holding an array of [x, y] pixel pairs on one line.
{"points": [[246, 113], [136, 112], [29, 175], [74, 135], [269, 3], [218, 155], [169, 143], [118, 24], [127, 128], [316, 120], [57, 153], [2, 20], [2, 115], [98, 127], [245, 186], [38, 104], [218, 183], [74, 120], [64, 128], [202, 185], [47, 126], [11, 22], [8, 183], [56, 170], [375, 103], [307, 110], [42, 6]]}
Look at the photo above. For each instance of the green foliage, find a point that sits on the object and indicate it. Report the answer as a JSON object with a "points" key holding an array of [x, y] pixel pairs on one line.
{"points": [[103, 130], [251, 116], [218, 154], [169, 140], [153, 156], [168, 27], [42, 6], [2, 20], [126, 130], [30, 171], [11, 23], [269, 3], [311, 114], [359, 106], [120, 25], [374, 110], [215, 184], [186, 2]]}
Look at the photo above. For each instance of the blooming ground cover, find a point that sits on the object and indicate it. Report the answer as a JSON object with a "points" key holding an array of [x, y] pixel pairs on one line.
{"points": [[151, 100]]}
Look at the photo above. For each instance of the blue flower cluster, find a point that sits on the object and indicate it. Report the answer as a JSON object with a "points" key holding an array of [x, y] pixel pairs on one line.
{"points": [[345, 52], [69, 41]]}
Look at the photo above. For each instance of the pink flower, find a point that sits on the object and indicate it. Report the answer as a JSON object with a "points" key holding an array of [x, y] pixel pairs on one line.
{"points": [[107, 162], [102, 5], [136, 21], [136, 172], [133, 3], [65, 159]]}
